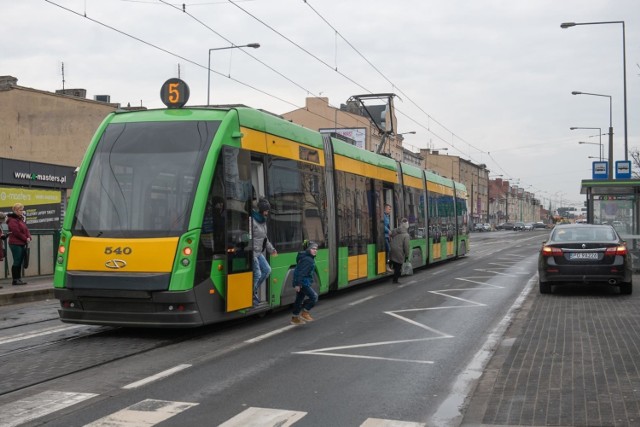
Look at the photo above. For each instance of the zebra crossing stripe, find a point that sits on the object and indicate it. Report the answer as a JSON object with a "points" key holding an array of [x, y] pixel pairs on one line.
{"points": [[149, 412], [377, 422], [39, 405], [264, 417]]}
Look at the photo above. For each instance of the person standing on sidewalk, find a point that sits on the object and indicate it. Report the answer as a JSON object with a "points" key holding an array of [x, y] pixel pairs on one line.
{"points": [[306, 297], [399, 248], [19, 238], [261, 243], [3, 237]]}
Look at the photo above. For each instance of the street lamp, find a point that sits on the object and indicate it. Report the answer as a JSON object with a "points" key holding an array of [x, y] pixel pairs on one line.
{"points": [[600, 135], [413, 132], [610, 128], [253, 45], [624, 70], [593, 143]]}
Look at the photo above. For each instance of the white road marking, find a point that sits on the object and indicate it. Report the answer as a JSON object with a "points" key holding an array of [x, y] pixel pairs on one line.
{"points": [[377, 422], [363, 300], [39, 405], [264, 417], [270, 334], [449, 410], [147, 413], [157, 376], [42, 332]]}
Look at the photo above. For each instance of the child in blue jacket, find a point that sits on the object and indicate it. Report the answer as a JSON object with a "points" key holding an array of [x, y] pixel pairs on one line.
{"points": [[306, 297]]}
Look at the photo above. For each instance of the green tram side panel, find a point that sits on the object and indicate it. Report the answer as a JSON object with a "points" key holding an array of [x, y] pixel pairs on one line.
{"points": [[273, 125], [413, 171], [344, 149]]}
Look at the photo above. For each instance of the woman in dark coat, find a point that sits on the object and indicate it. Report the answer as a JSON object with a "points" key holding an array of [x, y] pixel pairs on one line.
{"points": [[19, 238], [399, 248]]}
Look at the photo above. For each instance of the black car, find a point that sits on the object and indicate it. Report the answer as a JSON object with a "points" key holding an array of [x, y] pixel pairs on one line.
{"points": [[584, 253], [518, 226]]}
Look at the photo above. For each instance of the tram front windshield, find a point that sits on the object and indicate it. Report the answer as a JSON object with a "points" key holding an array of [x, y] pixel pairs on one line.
{"points": [[142, 179]]}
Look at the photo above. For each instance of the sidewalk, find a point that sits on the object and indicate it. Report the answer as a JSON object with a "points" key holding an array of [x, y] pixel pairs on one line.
{"points": [[37, 288], [570, 358]]}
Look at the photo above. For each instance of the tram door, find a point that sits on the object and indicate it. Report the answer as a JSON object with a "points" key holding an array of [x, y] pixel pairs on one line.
{"points": [[234, 170]]}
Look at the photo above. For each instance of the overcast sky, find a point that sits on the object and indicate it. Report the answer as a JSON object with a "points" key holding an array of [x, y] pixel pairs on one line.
{"points": [[490, 80]]}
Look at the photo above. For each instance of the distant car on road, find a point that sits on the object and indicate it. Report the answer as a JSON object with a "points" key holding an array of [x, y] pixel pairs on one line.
{"points": [[478, 227], [505, 226], [528, 226], [539, 224], [584, 253], [518, 226]]}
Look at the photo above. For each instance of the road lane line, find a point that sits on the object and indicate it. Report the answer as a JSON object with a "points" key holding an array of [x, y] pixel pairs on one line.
{"points": [[269, 334], [157, 376], [362, 300], [450, 409]]}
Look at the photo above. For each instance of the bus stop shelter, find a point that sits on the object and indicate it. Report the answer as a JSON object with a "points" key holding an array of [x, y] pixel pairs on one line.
{"points": [[616, 202]]}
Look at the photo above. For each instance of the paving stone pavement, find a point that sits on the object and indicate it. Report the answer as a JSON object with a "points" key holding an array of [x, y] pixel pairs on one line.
{"points": [[570, 358]]}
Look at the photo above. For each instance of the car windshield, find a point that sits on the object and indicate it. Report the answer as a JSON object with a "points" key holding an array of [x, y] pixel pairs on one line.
{"points": [[584, 234]]}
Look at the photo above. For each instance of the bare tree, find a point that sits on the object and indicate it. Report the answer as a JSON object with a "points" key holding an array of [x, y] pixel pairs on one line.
{"points": [[634, 154]]}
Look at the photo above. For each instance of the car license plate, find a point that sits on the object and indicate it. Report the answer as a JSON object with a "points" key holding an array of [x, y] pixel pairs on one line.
{"points": [[577, 256]]}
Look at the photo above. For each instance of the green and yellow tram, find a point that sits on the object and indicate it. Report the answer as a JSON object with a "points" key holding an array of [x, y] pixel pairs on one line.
{"points": [[157, 231]]}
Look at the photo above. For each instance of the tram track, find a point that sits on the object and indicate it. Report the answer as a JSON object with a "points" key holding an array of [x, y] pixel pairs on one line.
{"points": [[56, 357]]}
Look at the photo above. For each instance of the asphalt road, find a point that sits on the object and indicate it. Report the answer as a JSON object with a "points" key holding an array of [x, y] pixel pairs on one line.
{"points": [[408, 353]]}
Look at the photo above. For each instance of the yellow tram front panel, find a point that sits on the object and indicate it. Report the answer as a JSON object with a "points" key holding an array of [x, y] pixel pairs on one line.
{"points": [[122, 255]]}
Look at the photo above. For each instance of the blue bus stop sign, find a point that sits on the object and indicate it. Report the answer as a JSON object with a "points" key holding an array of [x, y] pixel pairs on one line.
{"points": [[623, 169], [600, 170]]}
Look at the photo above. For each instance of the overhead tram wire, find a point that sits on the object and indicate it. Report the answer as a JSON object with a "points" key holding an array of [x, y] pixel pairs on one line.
{"points": [[427, 128], [172, 53], [239, 81], [183, 58], [183, 10], [193, 62], [387, 79], [299, 47]]}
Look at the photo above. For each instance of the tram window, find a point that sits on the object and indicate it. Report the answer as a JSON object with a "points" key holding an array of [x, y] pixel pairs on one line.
{"points": [[414, 209], [297, 196], [141, 179]]}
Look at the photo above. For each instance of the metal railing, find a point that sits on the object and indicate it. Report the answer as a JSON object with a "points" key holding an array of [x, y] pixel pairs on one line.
{"points": [[43, 250]]}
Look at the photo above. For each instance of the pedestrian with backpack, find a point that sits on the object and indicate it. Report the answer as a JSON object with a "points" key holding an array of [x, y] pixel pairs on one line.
{"points": [[306, 297]]}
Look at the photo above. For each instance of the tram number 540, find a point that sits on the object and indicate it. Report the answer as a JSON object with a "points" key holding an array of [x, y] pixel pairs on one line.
{"points": [[119, 251]]}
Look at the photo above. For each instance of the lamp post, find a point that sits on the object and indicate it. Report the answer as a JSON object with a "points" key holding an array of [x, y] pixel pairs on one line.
{"points": [[413, 132], [593, 143], [252, 45], [624, 70], [610, 128], [600, 135]]}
